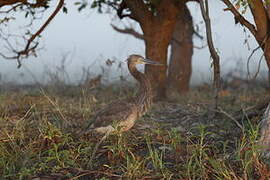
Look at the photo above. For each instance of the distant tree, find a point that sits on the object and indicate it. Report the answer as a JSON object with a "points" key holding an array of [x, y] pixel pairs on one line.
{"points": [[180, 61], [19, 46], [260, 29], [157, 19]]}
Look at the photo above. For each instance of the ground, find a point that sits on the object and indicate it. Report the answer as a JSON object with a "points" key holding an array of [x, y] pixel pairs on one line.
{"points": [[180, 138]]}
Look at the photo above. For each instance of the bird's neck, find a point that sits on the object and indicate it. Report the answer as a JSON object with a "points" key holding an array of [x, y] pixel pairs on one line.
{"points": [[144, 97]]}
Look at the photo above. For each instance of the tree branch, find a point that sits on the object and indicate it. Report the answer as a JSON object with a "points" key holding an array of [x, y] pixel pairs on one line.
{"points": [[58, 8], [197, 34], [37, 4], [260, 17], [214, 55], [11, 2], [239, 17], [267, 7], [139, 10], [129, 31], [121, 8], [27, 50]]}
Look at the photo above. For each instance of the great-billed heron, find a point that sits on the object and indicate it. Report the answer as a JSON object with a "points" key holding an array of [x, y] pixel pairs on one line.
{"points": [[121, 115]]}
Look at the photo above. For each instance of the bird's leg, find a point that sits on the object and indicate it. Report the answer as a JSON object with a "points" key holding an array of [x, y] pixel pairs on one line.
{"points": [[96, 148], [120, 139]]}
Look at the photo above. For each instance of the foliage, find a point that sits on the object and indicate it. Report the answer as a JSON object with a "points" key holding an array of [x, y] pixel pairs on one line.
{"points": [[102, 5]]}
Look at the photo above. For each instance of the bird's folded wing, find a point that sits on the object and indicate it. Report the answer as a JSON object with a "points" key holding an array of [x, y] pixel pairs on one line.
{"points": [[113, 112]]}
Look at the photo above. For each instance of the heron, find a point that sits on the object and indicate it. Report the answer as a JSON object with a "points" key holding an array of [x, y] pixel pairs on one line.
{"points": [[120, 116]]}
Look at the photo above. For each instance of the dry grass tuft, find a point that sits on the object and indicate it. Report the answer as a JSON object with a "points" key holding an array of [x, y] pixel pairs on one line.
{"points": [[177, 139]]}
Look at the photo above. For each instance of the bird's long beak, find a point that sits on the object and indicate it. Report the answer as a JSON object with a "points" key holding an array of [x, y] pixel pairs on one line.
{"points": [[148, 61]]}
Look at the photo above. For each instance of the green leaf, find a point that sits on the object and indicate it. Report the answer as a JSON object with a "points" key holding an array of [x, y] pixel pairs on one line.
{"points": [[65, 10], [26, 14], [94, 4], [81, 7], [77, 3]]}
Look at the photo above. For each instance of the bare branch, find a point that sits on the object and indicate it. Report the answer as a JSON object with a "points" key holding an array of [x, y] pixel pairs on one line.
{"points": [[11, 2], [31, 49], [198, 34], [214, 55], [129, 31], [11, 9], [199, 47], [239, 17], [249, 58], [37, 4], [258, 68], [220, 110], [59, 6]]}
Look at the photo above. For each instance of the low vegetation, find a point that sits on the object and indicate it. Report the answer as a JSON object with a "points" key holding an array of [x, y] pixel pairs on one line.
{"points": [[181, 138]]}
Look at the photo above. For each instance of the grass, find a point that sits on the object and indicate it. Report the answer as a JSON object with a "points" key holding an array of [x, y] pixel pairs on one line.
{"points": [[177, 139]]}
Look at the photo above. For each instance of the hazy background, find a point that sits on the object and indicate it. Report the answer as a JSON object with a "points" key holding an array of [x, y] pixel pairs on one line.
{"points": [[87, 39]]}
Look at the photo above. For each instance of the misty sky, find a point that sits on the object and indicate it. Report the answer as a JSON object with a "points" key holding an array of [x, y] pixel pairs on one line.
{"points": [[88, 37]]}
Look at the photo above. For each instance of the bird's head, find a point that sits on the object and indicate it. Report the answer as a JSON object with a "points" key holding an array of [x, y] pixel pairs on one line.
{"points": [[137, 59]]}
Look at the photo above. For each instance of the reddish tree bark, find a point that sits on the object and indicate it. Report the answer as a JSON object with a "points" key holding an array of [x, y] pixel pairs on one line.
{"points": [[180, 62], [157, 29], [180, 66]]}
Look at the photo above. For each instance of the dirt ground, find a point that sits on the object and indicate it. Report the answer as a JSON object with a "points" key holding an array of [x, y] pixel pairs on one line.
{"points": [[183, 137]]}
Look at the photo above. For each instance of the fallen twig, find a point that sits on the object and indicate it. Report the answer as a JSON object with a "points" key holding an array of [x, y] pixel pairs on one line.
{"points": [[231, 117]]}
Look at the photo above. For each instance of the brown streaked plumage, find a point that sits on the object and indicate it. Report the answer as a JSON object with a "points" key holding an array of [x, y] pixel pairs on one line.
{"points": [[121, 115]]}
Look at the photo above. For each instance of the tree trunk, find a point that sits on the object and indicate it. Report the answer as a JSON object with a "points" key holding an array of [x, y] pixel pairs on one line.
{"points": [[157, 26], [180, 66], [157, 35], [156, 49], [265, 132], [266, 50]]}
